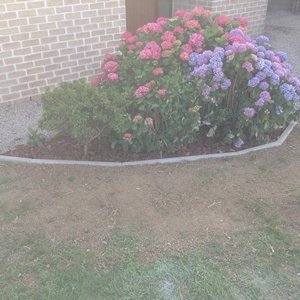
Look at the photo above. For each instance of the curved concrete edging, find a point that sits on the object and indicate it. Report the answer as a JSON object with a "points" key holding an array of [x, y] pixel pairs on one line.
{"points": [[172, 160]]}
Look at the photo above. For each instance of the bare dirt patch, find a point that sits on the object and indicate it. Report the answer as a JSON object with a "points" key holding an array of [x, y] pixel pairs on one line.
{"points": [[171, 207]]}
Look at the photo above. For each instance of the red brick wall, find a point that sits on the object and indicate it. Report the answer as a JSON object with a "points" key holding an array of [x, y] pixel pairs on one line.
{"points": [[44, 42]]}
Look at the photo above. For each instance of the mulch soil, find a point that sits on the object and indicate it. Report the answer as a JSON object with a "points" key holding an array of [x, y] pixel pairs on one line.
{"points": [[65, 148]]}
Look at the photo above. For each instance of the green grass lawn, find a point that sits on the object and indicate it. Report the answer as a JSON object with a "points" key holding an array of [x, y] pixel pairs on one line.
{"points": [[209, 230], [263, 263]]}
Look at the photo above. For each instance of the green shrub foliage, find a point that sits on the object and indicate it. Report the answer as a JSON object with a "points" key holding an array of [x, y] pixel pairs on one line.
{"points": [[174, 78]]}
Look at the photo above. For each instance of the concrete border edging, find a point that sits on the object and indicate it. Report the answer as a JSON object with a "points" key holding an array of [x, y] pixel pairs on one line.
{"points": [[172, 160]]}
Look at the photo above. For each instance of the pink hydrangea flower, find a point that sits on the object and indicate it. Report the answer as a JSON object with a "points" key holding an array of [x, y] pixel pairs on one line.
{"points": [[113, 76], [94, 82], [166, 45], [184, 56], [222, 20], [131, 48], [248, 66], [162, 92], [149, 122], [111, 66], [132, 40], [142, 91], [127, 136], [168, 36], [110, 56], [192, 24], [137, 118], [151, 51], [187, 48], [276, 59], [198, 11], [139, 44], [97, 81], [178, 29], [158, 72], [182, 14], [126, 35], [232, 38], [196, 41], [243, 21], [162, 21], [151, 28]]}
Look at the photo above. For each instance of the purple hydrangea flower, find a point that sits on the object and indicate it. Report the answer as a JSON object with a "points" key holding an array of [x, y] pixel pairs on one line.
{"points": [[220, 52], [261, 54], [249, 112], [229, 52], [264, 86], [261, 76], [208, 54], [253, 82], [282, 55], [275, 79], [260, 64], [261, 49], [226, 85], [206, 91], [265, 96], [216, 86], [260, 102], [262, 39], [201, 71], [269, 54], [218, 75], [193, 59], [268, 72], [239, 143]]}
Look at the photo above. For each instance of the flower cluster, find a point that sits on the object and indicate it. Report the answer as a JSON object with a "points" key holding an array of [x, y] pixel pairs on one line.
{"points": [[198, 68], [255, 81], [209, 67], [151, 51]]}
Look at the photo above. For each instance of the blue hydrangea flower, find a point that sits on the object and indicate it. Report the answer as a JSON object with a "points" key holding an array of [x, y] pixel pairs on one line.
{"points": [[239, 143], [226, 85], [253, 82], [265, 96], [275, 79], [261, 49], [260, 64], [193, 59], [201, 71], [260, 102], [262, 39], [264, 86], [282, 55], [249, 112], [206, 91]]}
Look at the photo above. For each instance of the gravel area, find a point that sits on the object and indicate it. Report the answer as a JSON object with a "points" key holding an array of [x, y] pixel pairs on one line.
{"points": [[282, 28], [15, 120]]}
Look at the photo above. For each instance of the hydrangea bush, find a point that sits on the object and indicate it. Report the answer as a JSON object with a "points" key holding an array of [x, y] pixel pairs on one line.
{"points": [[249, 89], [195, 72]]}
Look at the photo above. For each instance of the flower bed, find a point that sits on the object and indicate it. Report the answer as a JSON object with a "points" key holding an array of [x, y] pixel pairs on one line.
{"points": [[175, 80]]}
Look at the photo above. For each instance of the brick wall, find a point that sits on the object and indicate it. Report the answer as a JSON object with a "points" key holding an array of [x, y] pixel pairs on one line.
{"points": [[254, 10], [44, 42]]}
